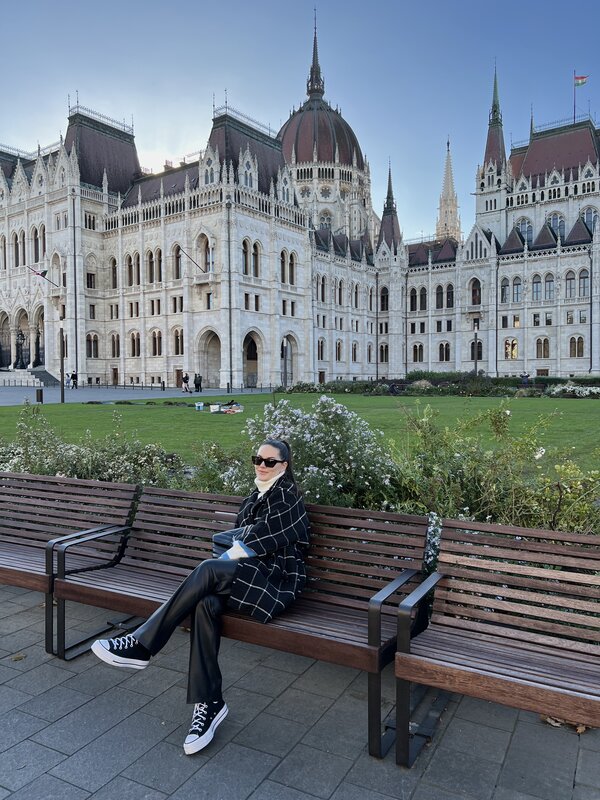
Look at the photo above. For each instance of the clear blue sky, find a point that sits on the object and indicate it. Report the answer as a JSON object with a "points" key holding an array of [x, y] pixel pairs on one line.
{"points": [[405, 75]]}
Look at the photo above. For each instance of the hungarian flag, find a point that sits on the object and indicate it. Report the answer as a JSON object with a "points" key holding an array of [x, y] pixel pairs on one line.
{"points": [[580, 80]]}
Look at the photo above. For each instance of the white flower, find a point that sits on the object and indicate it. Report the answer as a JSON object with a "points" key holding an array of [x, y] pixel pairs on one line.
{"points": [[539, 453], [507, 412]]}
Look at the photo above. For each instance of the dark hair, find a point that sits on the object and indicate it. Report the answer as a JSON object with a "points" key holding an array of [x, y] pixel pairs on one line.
{"points": [[285, 453]]}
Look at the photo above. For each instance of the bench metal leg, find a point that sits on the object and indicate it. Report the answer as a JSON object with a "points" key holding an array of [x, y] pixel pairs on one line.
{"points": [[411, 737], [82, 644], [49, 623], [379, 743]]}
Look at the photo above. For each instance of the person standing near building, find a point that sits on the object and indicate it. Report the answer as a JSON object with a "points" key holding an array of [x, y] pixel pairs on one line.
{"points": [[74, 379], [198, 382], [263, 582], [185, 382]]}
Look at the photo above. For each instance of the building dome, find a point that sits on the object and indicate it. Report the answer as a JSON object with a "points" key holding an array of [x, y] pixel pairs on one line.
{"points": [[317, 127]]}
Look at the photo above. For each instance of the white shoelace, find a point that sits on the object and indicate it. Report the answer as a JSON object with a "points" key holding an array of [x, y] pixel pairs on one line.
{"points": [[123, 642], [199, 716]]}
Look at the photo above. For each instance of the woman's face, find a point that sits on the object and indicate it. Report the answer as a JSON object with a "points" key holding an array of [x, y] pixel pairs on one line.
{"points": [[264, 472]]}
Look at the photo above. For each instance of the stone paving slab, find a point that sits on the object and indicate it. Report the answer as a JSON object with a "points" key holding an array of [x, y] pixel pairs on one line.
{"points": [[296, 730]]}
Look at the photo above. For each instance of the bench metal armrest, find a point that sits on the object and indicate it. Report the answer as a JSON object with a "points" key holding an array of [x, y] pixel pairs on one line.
{"points": [[62, 547], [52, 543], [406, 606], [375, 603]]}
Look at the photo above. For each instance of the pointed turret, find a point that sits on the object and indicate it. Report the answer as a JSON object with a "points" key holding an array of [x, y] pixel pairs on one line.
{"points": [[389, 232], [315, 86], [494, 148], [448, 221]]}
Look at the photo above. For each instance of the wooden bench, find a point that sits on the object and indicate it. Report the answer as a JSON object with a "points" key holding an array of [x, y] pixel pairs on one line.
{"points": [[37, 510], [515, 620], [360, 564]]}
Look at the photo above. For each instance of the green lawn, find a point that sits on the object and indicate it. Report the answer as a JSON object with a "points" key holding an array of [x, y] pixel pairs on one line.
{"points": [[181, 429]]}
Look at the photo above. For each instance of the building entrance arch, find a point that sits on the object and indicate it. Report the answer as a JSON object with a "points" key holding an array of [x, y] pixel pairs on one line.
{"points": [[208, 359]]}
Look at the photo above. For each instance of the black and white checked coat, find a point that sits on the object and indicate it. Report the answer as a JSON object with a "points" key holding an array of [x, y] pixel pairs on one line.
{"points": [[276, 527]]}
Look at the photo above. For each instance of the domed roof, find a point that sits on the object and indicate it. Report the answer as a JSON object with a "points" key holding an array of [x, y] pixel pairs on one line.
{"points": [[318, 126]]}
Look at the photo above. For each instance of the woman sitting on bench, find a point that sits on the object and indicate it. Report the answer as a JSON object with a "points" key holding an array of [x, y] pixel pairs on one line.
{"points": [[260, 575]]}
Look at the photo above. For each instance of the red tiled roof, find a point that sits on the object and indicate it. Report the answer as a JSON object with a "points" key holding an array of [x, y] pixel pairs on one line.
{"points": [[513, 244], [564, 148]]}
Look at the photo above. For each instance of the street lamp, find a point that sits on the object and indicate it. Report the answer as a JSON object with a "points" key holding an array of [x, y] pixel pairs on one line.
{"points": [[62, 363], [228, 207], [475, 343], [284, 350]]}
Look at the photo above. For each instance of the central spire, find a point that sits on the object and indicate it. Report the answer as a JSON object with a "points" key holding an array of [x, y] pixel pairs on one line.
{"points": [[448, 221], [315, 86]]}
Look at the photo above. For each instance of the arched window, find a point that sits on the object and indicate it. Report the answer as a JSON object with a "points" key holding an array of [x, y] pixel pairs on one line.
{"points": [[255, 260], [504, 290], [371, 298], [584, 283], [590, 217], [479, 350], [517, 290], [439, 296], [542, 347], [413, 299], [475, 292], [557, 223], [450, 296], [444, 351], [321, 350], [369, 354], [354, 351], [340, 293], [3, 252], [150, 266], [129, 268], [511, 349], [570, 284], [156, 343], [134, 345], [355, 295], [115, 345], [323, 289], [136, 269], [536, 289], [417, 353], [91, 345], [292, 270], [36, 246], [549, 287], [384, 299], [114, 274], [338, 350], [245, 257], [178, 341], [248, 175], [177, 263], [525, 228], [43, 239], [576, 347], [15, 240], [384, 353], [158, 262], [423, 299], [23, 258], [283, 266]]}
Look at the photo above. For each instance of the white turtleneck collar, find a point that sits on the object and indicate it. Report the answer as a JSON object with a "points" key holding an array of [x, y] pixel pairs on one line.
{"points": [[264, 486]]}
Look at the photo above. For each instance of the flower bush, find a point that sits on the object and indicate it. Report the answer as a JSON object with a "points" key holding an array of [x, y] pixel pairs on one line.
{"points": [[573, 390], [119, 457]]}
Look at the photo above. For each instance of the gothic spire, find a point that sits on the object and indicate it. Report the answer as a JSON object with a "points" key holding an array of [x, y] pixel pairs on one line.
{"points": [[494, 148], [389, 231], [315, 86], [390, 205], [448, 221]]}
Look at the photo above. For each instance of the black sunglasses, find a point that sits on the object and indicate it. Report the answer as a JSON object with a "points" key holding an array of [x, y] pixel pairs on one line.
{"points": [[268, 462]]}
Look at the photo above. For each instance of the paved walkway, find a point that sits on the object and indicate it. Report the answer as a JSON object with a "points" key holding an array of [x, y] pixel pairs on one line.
{"points": [[296, 731], [17, 395]]}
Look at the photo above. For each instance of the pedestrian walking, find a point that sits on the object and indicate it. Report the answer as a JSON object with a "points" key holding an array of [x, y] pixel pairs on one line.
{"points": [[185, 382]]}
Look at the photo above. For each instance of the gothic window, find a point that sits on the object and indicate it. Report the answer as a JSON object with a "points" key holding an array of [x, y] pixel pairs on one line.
{"points": [[384, 299], [536, 289], [156, 343], [576, 347], [525, 228], [504, 290], [590, 217], [248, 175], [413, 299], [115, 345], [479, 350], [292, 270], [91, 345], [150, 266], [450, 296], [177, 263], [584, 283], [134, 345], [285, 191], [570, 284], [423, 299], [549, 287], [511, 349], [178, 341], [338, 350], [255, 260], [475, 292], [114, 274], [439, 296], [444, 351], [354, 351], [245, 257], [417, 353], [23, 259], [517, 290], [321, 350], [323, 289], [129, 268], [3, 252], [36, 246], [369, 354], [384, 353], [557, 223], [136, 266], [325, 220], [542, 347], [371, 299], [282, 261], [15, 240], [356, 295]]}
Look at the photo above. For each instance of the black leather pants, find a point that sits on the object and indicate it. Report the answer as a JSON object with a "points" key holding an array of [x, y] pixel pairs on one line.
{"points": [[202, 597]]}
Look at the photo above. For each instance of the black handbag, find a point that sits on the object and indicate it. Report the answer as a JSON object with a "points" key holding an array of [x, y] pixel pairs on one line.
{"points": [[223, 540]]}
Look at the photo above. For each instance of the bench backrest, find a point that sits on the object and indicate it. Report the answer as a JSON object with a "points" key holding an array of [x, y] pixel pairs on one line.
{"points": [[37, 508], [353, 553], [528, 585]]}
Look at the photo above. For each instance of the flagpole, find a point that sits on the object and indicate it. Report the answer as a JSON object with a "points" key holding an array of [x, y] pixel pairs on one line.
{"points": [[574, 74]]}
